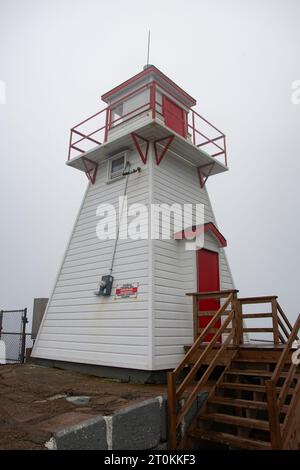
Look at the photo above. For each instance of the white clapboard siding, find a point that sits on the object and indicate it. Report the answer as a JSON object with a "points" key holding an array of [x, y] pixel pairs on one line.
{"points": [[81, 327], [148, 332], [174, 181]]}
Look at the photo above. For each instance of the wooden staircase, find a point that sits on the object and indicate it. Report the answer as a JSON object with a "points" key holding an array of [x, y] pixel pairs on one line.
{"points": [[254, 401]]}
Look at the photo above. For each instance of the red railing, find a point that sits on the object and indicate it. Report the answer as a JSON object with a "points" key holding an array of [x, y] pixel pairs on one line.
{"points": [[95, 130]]}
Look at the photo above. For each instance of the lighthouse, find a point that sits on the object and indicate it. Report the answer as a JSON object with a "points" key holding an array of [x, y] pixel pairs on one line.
{"points": [[119, 306]]}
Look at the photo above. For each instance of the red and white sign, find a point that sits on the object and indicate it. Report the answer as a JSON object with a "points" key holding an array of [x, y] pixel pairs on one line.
{"points": [[126, 291]]}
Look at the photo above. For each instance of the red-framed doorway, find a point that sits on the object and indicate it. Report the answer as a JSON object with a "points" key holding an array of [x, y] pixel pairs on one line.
{"points": [[208, 280]]}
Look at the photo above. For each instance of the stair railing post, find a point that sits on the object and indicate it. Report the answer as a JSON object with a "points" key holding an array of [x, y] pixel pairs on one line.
{"points": [[273, 412], [275, 321], [195, 316], [237, 323], [172, 439]]}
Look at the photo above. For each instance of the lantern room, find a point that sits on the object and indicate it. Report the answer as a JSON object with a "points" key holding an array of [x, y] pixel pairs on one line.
{"points": [[148, 109]]}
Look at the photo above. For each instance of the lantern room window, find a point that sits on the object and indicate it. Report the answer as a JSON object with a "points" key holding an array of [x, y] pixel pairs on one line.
{"points": [[116, 166], [117, 115], [130, 107]]}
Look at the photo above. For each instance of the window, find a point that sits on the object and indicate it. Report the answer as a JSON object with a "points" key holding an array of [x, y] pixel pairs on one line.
{"points": [[116, 166], [116, 115]]}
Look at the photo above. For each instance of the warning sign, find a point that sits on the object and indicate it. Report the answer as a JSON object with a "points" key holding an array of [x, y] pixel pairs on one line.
{"points": [[126, 291]]}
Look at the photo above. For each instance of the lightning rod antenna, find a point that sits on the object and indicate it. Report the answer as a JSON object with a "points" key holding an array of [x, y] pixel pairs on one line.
{"points": [[148, 48]]}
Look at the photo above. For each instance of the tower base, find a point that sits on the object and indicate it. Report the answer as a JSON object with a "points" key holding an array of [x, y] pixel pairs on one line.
{"points": [[136, 376]]}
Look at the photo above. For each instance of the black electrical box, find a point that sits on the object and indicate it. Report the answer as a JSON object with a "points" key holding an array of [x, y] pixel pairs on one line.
{"points": [[105, 285]]}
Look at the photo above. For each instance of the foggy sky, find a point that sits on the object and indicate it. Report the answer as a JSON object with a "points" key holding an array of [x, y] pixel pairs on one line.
{"points": [[237, 58]]}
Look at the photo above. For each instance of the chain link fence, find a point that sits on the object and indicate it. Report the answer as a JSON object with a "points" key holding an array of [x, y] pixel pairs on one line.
{"points": [[13, 336]]}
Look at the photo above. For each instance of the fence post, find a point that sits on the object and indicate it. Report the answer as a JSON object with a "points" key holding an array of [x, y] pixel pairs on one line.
{"points": [[1, 321], [23, 341]]}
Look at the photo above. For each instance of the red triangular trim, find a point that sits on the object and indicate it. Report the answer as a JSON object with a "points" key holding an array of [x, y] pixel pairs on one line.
{"points": [[169, 140], [208, 227], [90, 172], [203, 177], [143, 155]]}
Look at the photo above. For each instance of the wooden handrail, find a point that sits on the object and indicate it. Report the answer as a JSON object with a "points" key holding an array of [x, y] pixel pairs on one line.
{"points": [[204, 333], [213, 294], [285, 352], [291, 416], [285, 319], [203, 356], [177, 410], [206, 295], [182, 395], [281, 327], [257, 300], [187, 405], [275, 404]]}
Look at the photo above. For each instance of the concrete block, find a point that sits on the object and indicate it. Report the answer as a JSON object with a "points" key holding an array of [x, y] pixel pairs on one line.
{"points": [[137, 427], [201, 399], [87, 435], [190, 415], [164, 419], [39, 307]]}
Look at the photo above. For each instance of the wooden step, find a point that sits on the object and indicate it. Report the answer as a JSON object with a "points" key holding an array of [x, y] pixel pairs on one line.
{"points": [[249, 387], [256, 373], [253, 404], [257, 360], [240, 403], [230, 439], [235, 420], [249, 372]]}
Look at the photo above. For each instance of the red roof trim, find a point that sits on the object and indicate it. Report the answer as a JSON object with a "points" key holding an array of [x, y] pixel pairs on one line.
{"points": [[152, 68], [194, 231]]}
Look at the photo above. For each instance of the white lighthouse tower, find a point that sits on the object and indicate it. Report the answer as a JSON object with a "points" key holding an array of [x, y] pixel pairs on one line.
{"points": [[119, 304]]}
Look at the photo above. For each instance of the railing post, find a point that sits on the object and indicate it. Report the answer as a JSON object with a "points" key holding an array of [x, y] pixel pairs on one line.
{"points": [[238, 321], [23, 340], [193, 124], [107, 119], [225, 150], [153, 99], [273, 412], [275, 321], [70, 144], [172, 439], [195, 317]]}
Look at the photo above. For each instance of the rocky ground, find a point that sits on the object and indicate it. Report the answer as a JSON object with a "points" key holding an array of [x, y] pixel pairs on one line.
{"points": [[34, 400]]}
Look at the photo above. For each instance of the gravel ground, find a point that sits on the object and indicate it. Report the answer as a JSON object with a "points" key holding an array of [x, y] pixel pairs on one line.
{"points": [[32, 397]]}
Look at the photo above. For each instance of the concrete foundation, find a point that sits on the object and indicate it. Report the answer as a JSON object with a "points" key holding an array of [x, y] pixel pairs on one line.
{"points": [[116, 373], [142, 426]]}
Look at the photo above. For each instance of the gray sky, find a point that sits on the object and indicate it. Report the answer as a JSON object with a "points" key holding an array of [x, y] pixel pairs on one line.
{"points": [[237, 58]]}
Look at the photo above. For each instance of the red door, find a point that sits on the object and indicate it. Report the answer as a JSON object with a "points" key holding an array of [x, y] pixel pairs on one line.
{"points": [[175, 117], [208, 280]]}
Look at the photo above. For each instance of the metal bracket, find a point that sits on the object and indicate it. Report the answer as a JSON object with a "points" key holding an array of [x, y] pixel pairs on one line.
{"points": [[144, 156], [204, 177], [158, 157], [90, 172]]}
